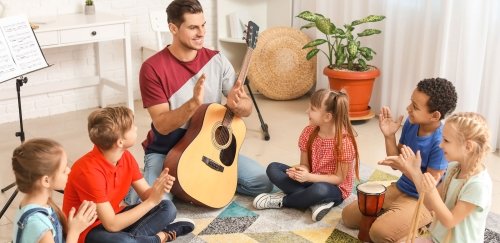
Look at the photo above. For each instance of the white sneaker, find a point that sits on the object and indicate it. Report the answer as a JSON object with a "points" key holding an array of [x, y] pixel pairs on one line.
{"points": [[320, 210], [269, 200]]}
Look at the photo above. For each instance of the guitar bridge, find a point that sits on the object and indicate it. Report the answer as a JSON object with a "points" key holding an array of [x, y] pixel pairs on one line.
{"points": [[212, 164]]}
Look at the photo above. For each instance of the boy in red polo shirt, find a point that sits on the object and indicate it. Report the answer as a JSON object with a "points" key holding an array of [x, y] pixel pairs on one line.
{"points": [[104, 176]]}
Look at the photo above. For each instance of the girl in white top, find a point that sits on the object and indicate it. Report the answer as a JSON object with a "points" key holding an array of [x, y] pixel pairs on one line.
{"points": [[40, 167], [462, 201]]}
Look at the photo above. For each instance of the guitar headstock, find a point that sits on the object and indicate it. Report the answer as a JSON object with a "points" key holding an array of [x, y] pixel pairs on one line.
{"points": [[252, 32]]}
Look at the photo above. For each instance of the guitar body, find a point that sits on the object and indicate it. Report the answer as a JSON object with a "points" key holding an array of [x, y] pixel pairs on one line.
{"points": [[205, 160]]}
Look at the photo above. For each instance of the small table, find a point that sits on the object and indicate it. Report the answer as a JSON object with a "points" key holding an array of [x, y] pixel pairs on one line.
{"points": [[76, 29]]}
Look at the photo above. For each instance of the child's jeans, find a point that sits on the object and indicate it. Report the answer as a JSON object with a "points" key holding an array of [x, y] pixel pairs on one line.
{"points": [[302, 195], [144, 230]]}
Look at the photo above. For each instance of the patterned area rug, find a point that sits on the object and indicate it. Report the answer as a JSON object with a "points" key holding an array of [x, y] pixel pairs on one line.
{"points": [[240, 222]]}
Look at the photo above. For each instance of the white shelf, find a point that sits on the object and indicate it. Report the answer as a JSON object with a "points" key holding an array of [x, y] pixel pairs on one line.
{"points": [[232, 40], [264, 13]]}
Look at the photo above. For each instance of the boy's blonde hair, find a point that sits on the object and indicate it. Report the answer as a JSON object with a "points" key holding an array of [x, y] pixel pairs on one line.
{"points": [[109, 124]]}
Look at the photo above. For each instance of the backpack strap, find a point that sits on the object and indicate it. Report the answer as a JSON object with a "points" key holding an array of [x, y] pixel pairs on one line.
{"points": [[24, 219]]}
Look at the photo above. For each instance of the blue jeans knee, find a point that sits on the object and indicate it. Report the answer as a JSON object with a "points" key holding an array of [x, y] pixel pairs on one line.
{"points": [[252, 178]]}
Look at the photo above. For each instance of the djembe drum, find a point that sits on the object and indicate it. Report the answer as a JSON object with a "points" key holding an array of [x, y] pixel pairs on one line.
{"points": [[370, 200]]}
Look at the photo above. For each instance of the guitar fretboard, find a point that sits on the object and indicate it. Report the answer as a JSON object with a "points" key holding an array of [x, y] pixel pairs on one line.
{"points": [[245, 65]]}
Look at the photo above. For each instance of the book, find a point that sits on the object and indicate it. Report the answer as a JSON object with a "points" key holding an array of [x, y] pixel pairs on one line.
{"points": [[235, 28], [20, 52], [237, 24]]}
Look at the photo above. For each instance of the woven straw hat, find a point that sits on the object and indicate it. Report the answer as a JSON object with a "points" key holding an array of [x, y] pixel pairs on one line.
{"points": [[279, 69]]}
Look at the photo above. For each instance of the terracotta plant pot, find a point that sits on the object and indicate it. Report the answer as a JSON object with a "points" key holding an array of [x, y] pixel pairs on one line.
{"points": [[358, 85]]}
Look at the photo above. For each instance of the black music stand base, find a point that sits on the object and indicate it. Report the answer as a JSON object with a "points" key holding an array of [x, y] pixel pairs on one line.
{"points": [[7, 205], [19, 82], [263, 125]]}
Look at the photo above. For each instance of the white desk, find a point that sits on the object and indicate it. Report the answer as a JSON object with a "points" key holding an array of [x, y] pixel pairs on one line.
{"points": [[76, 29]]}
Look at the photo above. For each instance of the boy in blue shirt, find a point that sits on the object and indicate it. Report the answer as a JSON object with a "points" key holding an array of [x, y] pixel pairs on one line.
{"points": [[431, 101]]}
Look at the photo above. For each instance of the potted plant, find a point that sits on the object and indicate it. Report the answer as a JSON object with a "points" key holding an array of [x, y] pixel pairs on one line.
{"points": [[347, 59], [89, 7]]}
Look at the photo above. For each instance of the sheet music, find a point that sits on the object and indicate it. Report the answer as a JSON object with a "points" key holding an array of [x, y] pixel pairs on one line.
{"points": [[19, 49]]}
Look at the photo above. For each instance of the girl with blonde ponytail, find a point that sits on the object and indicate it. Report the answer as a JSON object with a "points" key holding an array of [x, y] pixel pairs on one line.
{"points": [[462, 201], [40, 167]]}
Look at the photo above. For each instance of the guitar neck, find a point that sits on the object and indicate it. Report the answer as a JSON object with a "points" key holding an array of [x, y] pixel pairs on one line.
{"points": [[246, 63]]}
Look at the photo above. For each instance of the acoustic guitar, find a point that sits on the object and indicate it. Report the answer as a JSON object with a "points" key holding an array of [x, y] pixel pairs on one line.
{"points": [[205, 160]]}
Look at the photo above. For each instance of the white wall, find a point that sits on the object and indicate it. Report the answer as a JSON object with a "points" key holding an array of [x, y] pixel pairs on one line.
{"points": [[78, 61]]}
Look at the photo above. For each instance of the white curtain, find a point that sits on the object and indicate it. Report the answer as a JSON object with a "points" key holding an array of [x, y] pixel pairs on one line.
{"points": [[457, 40]]}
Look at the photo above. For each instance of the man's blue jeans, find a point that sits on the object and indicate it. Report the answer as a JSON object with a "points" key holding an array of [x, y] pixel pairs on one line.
{"points": [[144, 230], [252, 178]]}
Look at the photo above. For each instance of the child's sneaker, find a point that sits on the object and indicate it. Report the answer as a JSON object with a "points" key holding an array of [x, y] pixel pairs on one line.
{"points": [[320, 210], [178, 227], [269, 200]]}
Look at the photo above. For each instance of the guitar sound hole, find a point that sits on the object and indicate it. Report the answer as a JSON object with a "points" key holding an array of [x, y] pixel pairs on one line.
{"points": [[222, 135]]}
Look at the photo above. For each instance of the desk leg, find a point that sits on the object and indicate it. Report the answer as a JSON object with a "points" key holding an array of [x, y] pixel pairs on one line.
{"points": [[128, 68], [100, 87]]}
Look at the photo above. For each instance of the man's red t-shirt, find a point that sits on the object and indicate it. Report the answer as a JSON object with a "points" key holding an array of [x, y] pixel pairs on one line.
{"points": [[93, 178]]}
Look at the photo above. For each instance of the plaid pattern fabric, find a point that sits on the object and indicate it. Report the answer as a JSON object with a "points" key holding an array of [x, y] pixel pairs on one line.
{"points": [[324, 160]]}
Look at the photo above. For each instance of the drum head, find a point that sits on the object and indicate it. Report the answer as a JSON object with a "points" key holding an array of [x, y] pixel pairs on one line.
{"points": [[371, 188]]}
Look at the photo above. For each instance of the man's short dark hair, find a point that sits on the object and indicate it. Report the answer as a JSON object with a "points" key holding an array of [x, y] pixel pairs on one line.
{"points": [[442, 95], [177, 8]]}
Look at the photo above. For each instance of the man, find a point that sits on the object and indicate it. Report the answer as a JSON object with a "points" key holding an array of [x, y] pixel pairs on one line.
{"points": [[177, 80]]}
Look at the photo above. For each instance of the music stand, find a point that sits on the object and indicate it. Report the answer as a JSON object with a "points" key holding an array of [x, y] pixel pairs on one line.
{"points": [[263, 124], [20, 54], [251, 34]]}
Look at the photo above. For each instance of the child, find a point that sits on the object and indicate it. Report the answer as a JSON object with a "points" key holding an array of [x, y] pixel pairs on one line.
{"points": [[104, 176], [462, 202], [40, 167], [329, 155], [431, 101]]}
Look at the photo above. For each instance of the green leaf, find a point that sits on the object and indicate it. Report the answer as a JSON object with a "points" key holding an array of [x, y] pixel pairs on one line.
{"points": [[340, 56], [348, 28], [369, 32], [362, 63], [314, 43], [311, 17], [340, 32], [364, 49], [352, 48], [332, 26], [308, 16], [366, 53], [370, 18], [325, 26], [309, 25], [312, 53]]}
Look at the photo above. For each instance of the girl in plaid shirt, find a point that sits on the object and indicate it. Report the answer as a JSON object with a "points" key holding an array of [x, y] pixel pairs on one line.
{"points": [[328, 160]]}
